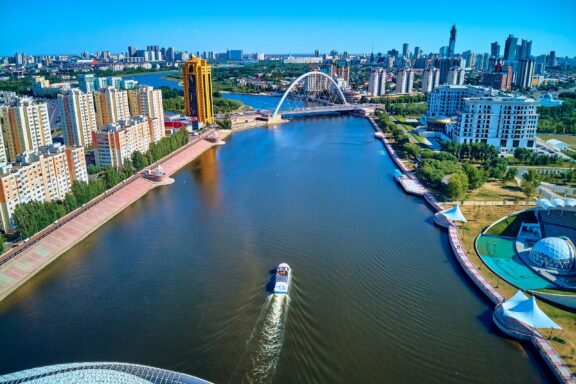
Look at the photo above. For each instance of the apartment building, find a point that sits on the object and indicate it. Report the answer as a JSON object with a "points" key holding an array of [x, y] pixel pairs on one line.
{"points": [[377, 82], [506, 122], [447, 100], [114, 143], [25, 126], [46, 174], [147, 101], [111, 105], [78, 117]]}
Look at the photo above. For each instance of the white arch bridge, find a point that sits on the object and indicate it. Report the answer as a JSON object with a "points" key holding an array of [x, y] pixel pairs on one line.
{"points": [[313, 93]]}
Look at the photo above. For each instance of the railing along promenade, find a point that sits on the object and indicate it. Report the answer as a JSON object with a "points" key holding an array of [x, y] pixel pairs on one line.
{"points": [[15, 251], [546, 351]]}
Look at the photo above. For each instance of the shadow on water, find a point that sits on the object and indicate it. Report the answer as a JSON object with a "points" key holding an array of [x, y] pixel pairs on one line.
{"points": [[271, 281]]}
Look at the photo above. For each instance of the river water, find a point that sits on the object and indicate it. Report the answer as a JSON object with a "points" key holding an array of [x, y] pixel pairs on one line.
{"points": [[180, 280]]}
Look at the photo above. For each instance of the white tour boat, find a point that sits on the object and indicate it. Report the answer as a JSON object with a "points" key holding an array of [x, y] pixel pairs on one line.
{"points": [[283, 277]]}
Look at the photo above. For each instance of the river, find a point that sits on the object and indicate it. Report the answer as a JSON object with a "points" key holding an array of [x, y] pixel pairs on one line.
{"points": [[180, 280], [255, 101]]}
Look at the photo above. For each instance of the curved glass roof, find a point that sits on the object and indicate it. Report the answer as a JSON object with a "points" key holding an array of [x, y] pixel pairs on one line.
{"points": [[119, 373], [554, 247]]}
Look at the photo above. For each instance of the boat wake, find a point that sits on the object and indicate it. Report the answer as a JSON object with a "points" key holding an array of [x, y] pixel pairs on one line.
{"points": [[267, 339]]}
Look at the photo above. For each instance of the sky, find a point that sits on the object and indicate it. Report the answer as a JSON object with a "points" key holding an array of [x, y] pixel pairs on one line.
{"points": [[65, 26]]}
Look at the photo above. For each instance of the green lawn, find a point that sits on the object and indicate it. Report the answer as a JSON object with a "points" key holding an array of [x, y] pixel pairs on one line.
{"points": [[568, 139], [419, 138], [511, 225]]}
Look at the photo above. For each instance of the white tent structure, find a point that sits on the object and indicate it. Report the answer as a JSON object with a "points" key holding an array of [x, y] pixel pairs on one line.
{"points": [[570, 202], [526, 310], [544, 203], [514, 300], [454, 214], [558, 202]]}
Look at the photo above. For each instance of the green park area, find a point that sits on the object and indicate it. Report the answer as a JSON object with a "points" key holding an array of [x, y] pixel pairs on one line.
{"points": [[498, 254]]}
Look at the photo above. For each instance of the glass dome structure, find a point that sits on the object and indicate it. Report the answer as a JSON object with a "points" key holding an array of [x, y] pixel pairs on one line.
{"points": [[118, 373], [554, 253]]}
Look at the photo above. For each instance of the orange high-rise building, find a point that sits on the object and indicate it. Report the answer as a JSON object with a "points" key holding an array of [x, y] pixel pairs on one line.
{"points": [[197, 80]]}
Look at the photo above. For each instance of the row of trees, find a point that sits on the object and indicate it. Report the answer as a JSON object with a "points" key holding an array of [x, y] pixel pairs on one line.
{"points": [[560, 119], [480, 152], [530, 157], [34, 216], [222, 105], [158, 150]]}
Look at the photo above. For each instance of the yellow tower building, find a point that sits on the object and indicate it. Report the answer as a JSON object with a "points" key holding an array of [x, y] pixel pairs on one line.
{"points": [[197, 80]]}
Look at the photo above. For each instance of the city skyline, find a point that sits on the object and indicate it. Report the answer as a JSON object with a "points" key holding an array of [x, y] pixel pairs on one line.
{"points": [[114, 26]]}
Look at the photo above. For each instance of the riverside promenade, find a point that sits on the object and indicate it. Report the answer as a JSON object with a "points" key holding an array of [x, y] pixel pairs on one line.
{"points": [[542, 346], [19, 264]]}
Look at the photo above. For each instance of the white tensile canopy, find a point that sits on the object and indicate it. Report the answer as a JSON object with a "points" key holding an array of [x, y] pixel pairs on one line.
{"points": [[514, 300], [558, 202], [544, 203], [570, 202], [454, 214], [527, 311]]}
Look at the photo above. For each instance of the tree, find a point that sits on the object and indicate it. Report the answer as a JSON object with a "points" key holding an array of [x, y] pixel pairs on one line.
{"points": [[497, 167], [112, 177], [457, 186], [128, 168], [225, 123], [511, 173], [532, 177], [476, 176], [412, 150], [528, 188], [1, 245], [93, 169], [70, 202]]}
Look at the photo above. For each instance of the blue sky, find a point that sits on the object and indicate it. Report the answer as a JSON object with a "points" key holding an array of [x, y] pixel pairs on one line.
{"points": [[64, 26]]}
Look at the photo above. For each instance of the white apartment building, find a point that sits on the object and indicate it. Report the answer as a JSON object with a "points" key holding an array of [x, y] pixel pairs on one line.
{"points": [[78, 117], [377, 83], [46, 174], [404, 81], [430, 79], [111, 105], [317, 83], [116, 142], [456, 76], [147, 101], [447, 100], [506, 122], [25, 126]]}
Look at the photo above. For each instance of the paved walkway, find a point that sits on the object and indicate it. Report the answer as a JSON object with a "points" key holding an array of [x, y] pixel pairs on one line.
{"points": [[20, 264], [491, 203]]}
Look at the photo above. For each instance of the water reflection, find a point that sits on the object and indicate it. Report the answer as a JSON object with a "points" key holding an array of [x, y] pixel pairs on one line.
{"points": [[206, 173]]}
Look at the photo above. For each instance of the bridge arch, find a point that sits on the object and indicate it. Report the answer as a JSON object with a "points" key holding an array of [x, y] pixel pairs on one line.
{"points": [[295, 82]]}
